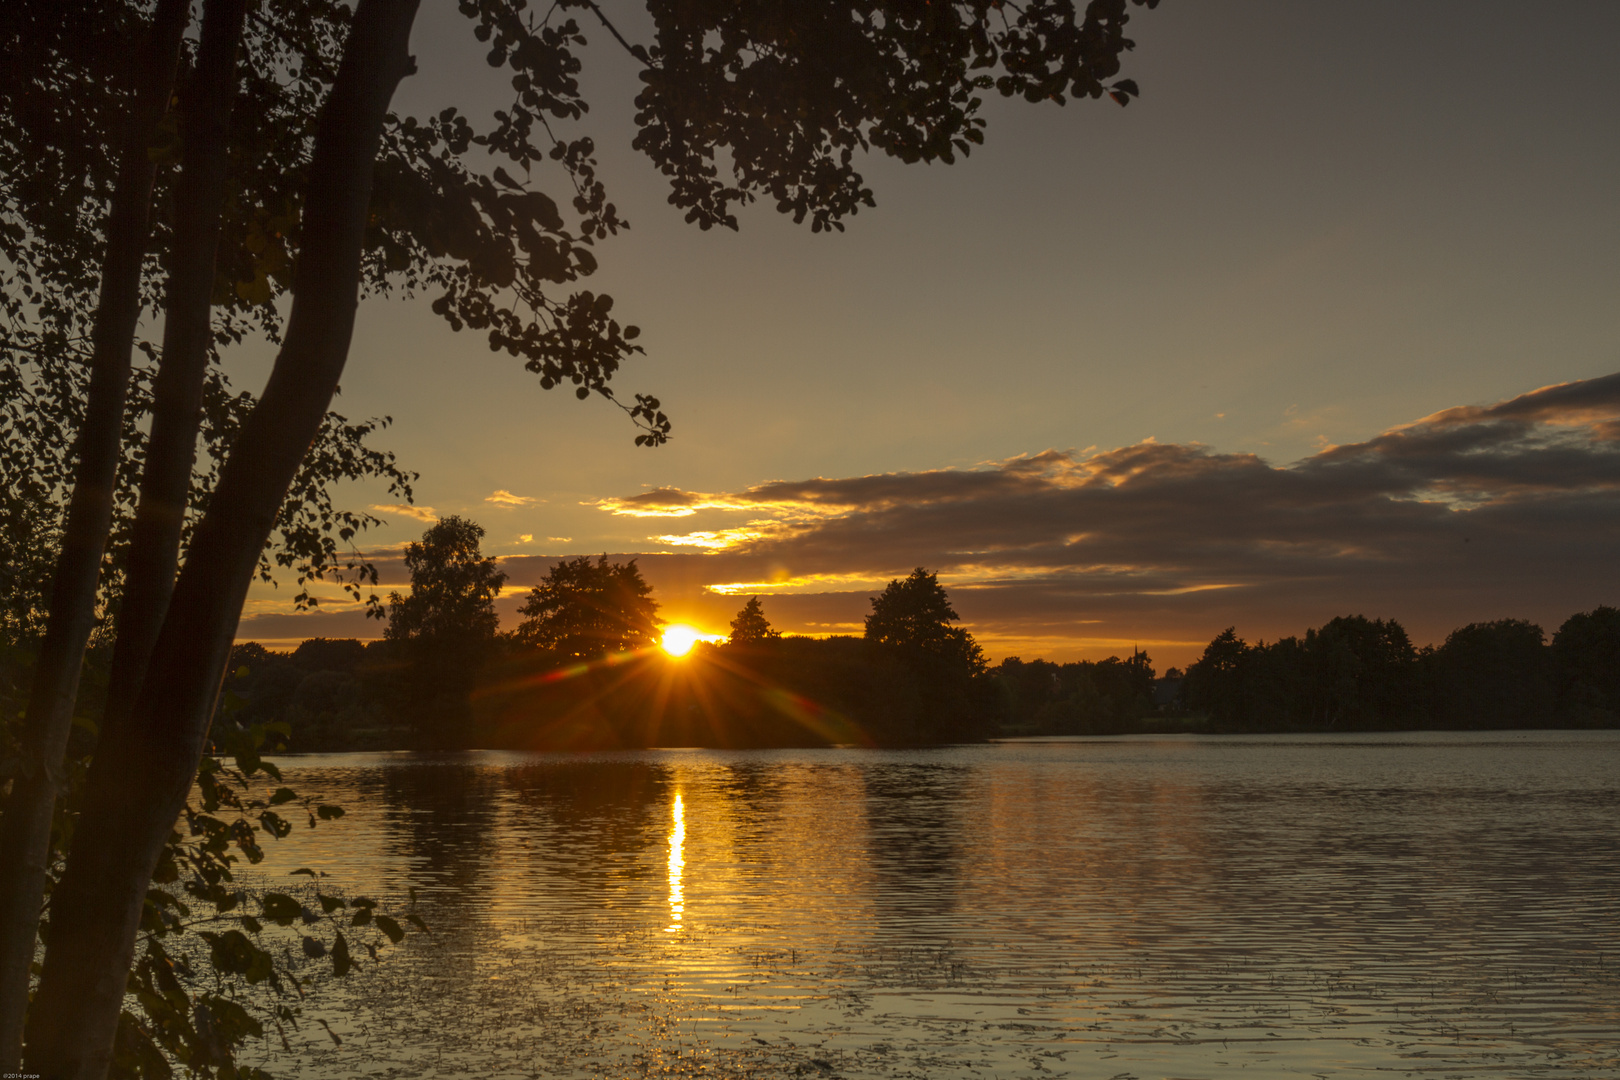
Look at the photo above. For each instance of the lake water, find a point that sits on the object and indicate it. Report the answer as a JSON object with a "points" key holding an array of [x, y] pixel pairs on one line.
{"points": [[1442, 905]]}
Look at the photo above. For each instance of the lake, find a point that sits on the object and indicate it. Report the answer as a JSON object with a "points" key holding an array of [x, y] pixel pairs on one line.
{"points": [[1424, 904]]}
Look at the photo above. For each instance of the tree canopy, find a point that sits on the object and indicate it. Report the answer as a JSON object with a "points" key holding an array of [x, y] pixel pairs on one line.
{"points": [[916, 615], [750, 627], [453, 587], [582, 610]]}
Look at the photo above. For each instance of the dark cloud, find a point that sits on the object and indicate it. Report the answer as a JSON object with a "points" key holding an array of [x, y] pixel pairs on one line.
{"points": [[1474, 512]]}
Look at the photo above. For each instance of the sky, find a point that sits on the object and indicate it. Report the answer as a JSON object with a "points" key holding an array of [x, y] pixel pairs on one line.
{"points": [[1327, 322]]}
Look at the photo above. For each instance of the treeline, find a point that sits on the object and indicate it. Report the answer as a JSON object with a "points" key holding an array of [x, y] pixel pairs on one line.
{"points": [[335, 695], [583, 670], [1086, 697], [1365, 674]]}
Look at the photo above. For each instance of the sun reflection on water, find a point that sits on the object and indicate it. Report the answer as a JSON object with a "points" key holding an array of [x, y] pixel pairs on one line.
{"points": [[677, 865]]}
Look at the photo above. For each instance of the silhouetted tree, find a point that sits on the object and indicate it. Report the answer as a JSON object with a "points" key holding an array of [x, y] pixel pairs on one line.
{"points": [[1586, 650], [913, 619], [1215, 681], [916, 615], [582, 610], [1365, 673], [1493, 675], [447, 627], [750, 627]]}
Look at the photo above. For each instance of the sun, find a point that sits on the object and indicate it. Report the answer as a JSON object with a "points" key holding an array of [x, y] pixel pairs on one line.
{"points": [[679, 639]]}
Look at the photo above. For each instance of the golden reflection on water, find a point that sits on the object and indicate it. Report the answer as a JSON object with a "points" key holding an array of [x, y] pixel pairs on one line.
{"points": [[677, 865]]}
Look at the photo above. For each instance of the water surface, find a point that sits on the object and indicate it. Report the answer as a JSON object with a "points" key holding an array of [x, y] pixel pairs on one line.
{"points": [[1410, 905]]}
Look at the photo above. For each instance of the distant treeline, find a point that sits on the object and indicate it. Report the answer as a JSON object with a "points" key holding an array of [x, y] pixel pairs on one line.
{"points": [[583, 670], [1364, 674], [1352, 674]]}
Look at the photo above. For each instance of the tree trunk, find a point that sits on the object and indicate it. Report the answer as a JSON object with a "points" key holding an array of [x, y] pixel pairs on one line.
{"points": [[26, 827], [154, 548], [143, 770]]}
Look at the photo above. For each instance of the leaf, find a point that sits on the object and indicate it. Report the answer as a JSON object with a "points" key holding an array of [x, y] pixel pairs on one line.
{"points": [[314, 948], [286, 795], [341, 962], [395, 932], [328, 813], [330, 904], [362, 916], [281, 909], [542, 209], [233, 954], [501, 177], [302, 870]]}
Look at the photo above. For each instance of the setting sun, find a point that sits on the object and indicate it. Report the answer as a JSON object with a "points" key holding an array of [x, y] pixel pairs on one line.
{"points": [[679, 638]]}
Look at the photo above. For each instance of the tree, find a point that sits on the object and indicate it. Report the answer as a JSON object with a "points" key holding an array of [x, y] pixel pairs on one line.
{"points": [[64, 101], [1364, 671], [916, 615], [750, 627], [1493, 675], [1586, 650], [911, 620], [788, 95], [143, 768], [1215, 681], [453, 587], [445, 628], [583, 610]]}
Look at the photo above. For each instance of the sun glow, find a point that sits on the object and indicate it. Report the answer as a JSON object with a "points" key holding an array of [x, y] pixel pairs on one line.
{"points": [[679, 638]]}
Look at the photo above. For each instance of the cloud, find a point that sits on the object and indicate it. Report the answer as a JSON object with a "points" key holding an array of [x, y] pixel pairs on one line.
{"points": [[1473, 512], [506, 499], [420, 513]]}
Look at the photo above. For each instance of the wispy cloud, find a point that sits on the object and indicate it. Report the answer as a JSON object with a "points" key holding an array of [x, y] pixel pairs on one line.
{"points": [[506, 499], [405, 510]]}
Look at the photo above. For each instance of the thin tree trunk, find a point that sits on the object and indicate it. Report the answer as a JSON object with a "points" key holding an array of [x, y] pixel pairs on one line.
{"points": [[143, 771], [25, 829], [154, 548]]}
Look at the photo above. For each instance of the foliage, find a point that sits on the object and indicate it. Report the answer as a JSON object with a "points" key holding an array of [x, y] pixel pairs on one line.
{"points": [[1362, 674], [750, 627], [1493, 675], [1351, 673], [1586, 651], [330, 694], [1082, 698], [787, 93], [177, 1014], [445, 629], [453, 587], [916, 615], [195, 1005], [583, 610], [62, 116]]}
